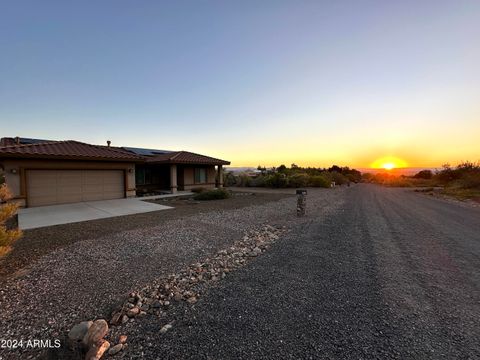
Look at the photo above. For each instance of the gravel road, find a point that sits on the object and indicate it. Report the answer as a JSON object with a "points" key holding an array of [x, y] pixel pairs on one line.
{"points": [[388, 273]]}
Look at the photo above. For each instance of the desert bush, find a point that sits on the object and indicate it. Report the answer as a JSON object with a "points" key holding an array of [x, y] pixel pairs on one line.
{"points": [[197, 190], [339, 179], [319, 181], [243, 180], [229, 179], [216, 194], [259, 181], [424, 174], [7, 210], [276, 180], [298, 180]]}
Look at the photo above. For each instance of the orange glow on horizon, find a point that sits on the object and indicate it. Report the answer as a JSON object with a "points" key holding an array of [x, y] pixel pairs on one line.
{"points": [[389, 163]]}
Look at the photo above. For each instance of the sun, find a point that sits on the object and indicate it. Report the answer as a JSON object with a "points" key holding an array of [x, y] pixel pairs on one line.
{"points": [[388, 163]]}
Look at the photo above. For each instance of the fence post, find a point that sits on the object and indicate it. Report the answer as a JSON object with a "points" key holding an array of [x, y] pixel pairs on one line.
{"points": [[301, 202]]}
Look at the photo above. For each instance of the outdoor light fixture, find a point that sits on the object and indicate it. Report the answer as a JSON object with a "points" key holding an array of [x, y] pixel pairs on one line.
{"points": [[13, 171], [130, 170]]}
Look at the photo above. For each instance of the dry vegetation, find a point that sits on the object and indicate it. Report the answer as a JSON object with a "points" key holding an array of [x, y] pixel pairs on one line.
{"points": [[294, 177], [462, 181], [7, 211]]}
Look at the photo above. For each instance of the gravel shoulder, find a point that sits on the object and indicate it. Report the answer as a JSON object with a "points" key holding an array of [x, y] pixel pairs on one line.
{"points": [[89, 270]]}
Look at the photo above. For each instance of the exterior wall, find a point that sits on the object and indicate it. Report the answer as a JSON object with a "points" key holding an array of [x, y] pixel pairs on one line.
{"points": [[186, 177], [17, 182]]}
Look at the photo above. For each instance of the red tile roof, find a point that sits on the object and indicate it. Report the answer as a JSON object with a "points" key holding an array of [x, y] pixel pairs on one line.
{"points": [[70, 149], [186, 157]]}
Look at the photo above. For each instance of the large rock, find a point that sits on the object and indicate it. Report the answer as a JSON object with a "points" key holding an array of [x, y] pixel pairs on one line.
{"points": [[97, 350], [133, 312], [77, 333], [115, 349], [96, 333]]}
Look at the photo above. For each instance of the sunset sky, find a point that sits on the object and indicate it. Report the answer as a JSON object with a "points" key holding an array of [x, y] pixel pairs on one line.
{"points": [[254, 82]]}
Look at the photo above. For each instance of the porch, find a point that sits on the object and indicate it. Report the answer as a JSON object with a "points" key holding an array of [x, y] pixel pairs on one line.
{"points": [[158, 179]]}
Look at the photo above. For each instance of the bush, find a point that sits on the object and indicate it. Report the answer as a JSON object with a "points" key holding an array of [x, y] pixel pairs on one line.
{"points": [[7, 237], [319, 181], [243, 180], [338, 178], [216, 194], [197, 190], [259, 181], [229, 179], [424, 174], [298, 180], [276, 180]]}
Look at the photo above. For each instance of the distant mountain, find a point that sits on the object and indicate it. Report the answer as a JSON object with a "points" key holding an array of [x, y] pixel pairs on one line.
{"points": [[239, 169]]}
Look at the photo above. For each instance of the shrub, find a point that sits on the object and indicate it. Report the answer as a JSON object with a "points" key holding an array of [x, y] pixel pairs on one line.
{"points": [[276, 180], [197, 190], [259, 181], [319, 181], [424, 174], [338, 178], [229, 179], [216, 194], [7, 237], [298, 180], [243, 180]]}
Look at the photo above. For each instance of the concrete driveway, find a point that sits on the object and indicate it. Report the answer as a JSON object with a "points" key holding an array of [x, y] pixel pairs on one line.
{"points": [[41, 216]]}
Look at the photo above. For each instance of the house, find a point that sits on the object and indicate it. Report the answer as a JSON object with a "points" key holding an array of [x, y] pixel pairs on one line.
{"points": [[47, 172]]}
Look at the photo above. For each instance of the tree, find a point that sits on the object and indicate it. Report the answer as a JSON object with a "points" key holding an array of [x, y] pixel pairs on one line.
{"points": [[7, 210]]}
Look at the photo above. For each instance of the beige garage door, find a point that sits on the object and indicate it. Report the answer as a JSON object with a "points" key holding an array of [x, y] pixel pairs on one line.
{"points": [[48, 187]]}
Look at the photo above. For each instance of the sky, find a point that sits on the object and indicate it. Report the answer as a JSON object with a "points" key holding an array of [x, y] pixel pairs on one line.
{"points": [[314, 83]]}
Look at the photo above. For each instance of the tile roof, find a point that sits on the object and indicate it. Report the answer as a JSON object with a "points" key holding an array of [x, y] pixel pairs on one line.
{"points": [[75, 150], [186, 157], [68, 149]]}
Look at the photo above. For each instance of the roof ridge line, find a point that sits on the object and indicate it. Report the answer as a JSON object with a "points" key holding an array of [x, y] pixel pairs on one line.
{"points": [[35, 144]]}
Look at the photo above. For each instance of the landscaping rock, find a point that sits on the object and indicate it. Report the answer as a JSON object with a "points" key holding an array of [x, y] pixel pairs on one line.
{"points": [[97, 350], [78, 332], [122, 339], [133, 312], [115, 349], [165, 328], [96, 333]]}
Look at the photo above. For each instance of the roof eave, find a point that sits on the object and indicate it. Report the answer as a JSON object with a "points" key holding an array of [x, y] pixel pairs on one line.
{"points": [[220, 162]]}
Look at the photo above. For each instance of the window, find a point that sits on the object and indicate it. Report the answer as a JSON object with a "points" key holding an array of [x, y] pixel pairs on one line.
{"points": [[200, 175], [143, 176], [140, 176]]}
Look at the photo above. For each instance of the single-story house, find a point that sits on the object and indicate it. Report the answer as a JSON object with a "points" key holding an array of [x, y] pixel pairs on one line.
{"points": [[45, 172]]}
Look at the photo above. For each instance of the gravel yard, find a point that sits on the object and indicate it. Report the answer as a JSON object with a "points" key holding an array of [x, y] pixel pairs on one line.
{"points": [[82, 271]]}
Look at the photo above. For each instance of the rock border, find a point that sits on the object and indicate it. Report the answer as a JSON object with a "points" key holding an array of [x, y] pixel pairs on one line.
{"points": [[164, 293]]}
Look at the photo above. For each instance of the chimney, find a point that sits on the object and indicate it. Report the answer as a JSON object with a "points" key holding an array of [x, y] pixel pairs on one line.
{"points": [[108, 143], [17, 140]]}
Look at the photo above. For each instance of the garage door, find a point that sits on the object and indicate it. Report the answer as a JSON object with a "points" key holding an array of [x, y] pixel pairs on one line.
{"points": [[48, 187]]}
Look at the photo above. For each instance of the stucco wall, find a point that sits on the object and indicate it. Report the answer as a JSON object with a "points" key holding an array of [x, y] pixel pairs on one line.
{"points": [[17, 182], [188, 181]]}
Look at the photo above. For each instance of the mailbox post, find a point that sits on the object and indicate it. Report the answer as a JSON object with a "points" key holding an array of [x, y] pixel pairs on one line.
{"points": [[301, 202]]}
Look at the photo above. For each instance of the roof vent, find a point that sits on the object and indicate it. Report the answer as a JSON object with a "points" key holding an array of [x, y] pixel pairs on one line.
{"points": [[17, 140], [108, 143]]}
